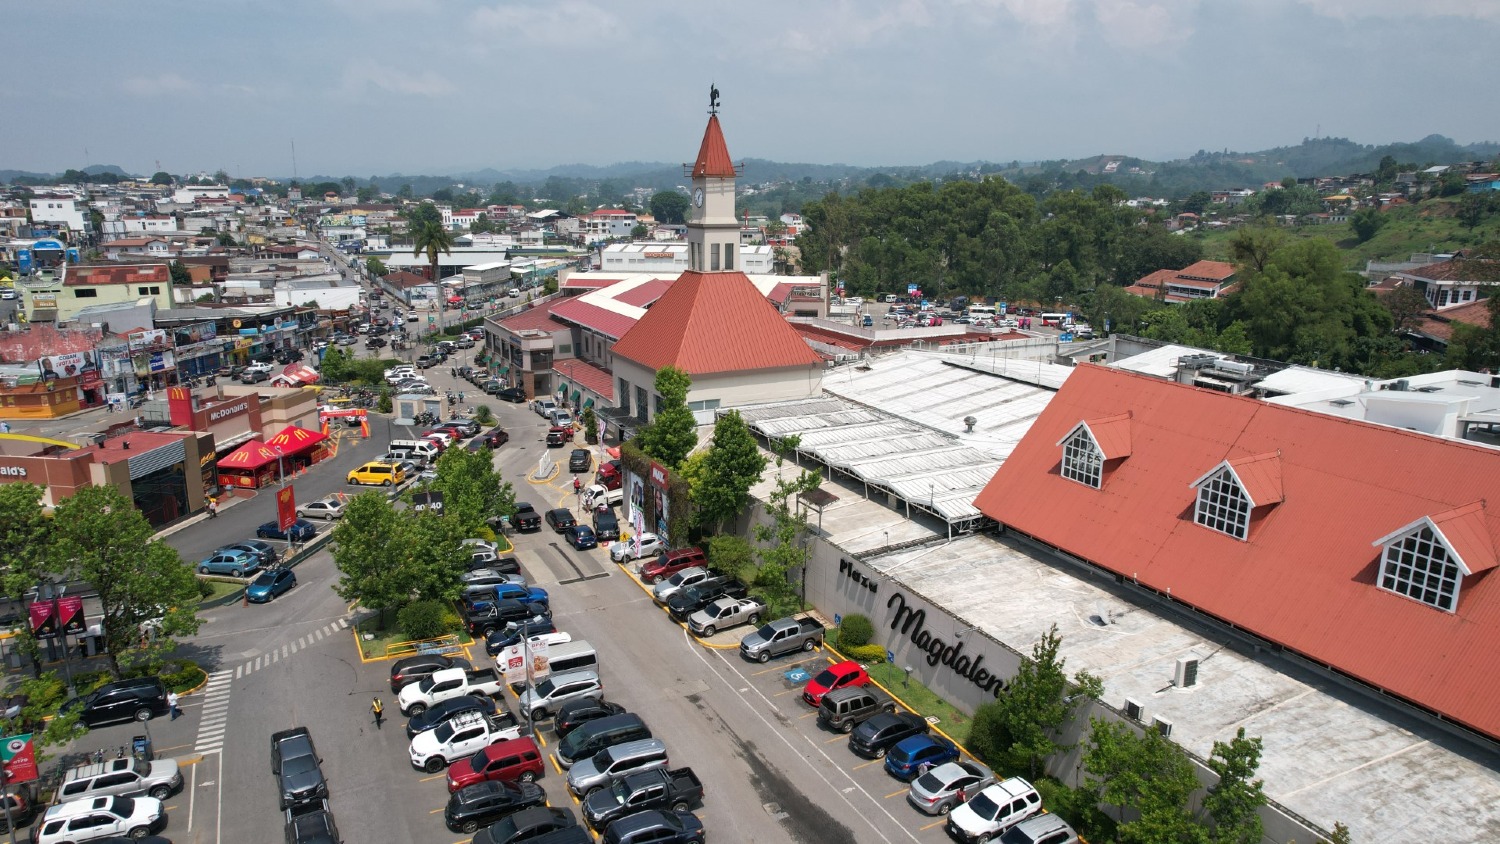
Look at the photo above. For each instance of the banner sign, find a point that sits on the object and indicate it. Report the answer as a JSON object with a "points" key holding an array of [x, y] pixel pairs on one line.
{"points": [[18, 759], [286, 508], [43, 619], [658, 475], [514, 660], [147, 338], [70, 615], [66, 365]]}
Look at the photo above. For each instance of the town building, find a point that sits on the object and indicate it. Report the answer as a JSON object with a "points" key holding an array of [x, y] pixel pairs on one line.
{"points": [[58, 297], [1202, 280], [1453, 282], [673, 258]]}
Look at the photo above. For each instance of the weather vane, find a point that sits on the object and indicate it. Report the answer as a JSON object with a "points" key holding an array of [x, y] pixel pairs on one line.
{"points": [[713, 98]]}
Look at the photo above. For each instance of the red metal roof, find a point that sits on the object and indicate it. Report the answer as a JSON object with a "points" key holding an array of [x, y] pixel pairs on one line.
{"points": [[577, 372], [293, 439], [713, 154], [1214, 270], [714, 322], [1305, 578], [123, 274], [643, 295], [252, 455], [600, 319], [534, 319]]}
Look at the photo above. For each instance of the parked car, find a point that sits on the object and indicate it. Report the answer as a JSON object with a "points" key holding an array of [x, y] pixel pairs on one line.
{"points": [[526, 517], [483, 803], [233, 562], [876, 735], [581, 537], [453, 707], [557, 689], [606, 526], [270, 585], [846, 674], [542, 631], [603, 768], [300, 530], [455, 740], [493, 438], [263, 551], [515, 395], [782, 636], [579, 460], [624, 552], [655, 789], [687, 577], [413, 668], [99, 819], [527, 825], [558, 437], [416, 698], [684, 603], [560, 519], [575, 713], [994, 810], [513, 759], [482, 621], [725, 613], [328, 508], [1040, 829], [946, 786], [914, 756], [673, 562], [655, 826], [124, 777]]}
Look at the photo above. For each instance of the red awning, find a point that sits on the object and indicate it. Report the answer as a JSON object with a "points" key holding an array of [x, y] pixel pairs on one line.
{"points": [[301, 372], [252, 455], [613, 451], [293, 439]]}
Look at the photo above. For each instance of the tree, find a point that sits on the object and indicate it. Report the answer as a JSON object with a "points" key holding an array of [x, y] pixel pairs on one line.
{"points": [[1232, 801], [432, 238], [732, 464], [100, 537], [669, 206], [335, 366], [376, 267], [162, 177], [1472, 209], [25, 539], [369, 550], [1148, 774], [781, 550], [1026, 723], [639, 231], [673, 433], [1406, 304], [590, 422], [226, 239], [221, 177], [474, 494], [179, 274], [1366, 222]]}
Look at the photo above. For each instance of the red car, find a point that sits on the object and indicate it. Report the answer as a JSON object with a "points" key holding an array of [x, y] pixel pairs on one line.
{"points": [[453, 431], [843, 675], [508, 760], [673, 562]]}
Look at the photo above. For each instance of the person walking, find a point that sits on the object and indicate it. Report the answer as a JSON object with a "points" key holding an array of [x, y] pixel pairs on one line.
{"points": [[4, 427], [577, 486], [213, 507], [172, 705], [378, 710]]}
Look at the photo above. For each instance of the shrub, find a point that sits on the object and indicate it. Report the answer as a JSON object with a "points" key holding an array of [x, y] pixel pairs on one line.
{"points": [[868, 654], [856, 630], [1079, 807], [423, 619], [46, 692], [181, 676], [483, 415]]}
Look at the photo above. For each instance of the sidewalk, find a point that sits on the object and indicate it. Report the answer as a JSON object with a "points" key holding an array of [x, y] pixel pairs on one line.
{"points": [[225, 502]]}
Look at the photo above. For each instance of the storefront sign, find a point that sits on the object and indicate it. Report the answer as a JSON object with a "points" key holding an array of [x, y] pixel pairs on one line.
{"points": [[910, 623], [657, 254], [658, 475], [216, 415], [147, 338], [18, 758], [847, 569], [12, 471]]}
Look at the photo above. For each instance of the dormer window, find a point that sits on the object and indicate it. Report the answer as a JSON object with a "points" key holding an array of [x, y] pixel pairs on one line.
{"points": [[1082, 460], [1223, 505], [1419, 566]]}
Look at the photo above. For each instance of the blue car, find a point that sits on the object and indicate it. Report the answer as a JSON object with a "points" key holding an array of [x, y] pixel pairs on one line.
{"points": [[582, 537], [300, 531], [231, 561], [269, 585], [911, 757]]}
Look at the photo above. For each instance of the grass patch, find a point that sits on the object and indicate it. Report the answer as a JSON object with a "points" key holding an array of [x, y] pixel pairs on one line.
{"points": [[219, 589], [388, 633], [922, 699]]}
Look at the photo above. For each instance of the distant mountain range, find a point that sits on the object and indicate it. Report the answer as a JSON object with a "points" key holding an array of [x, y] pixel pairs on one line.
{"points": [[1202, 171]]}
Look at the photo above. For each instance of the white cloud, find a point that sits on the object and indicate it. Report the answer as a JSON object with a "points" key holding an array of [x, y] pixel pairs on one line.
{"points": [[162, 84], [1396, 9], [1044, 14], [366, 74], [561, 22], [1142, 25]]}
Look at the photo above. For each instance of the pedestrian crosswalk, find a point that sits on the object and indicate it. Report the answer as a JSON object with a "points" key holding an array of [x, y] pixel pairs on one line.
{"points": [[271, 657], [215, 715]]}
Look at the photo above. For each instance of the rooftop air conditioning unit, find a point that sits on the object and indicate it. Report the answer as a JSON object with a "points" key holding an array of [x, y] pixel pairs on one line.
{"points": [[1186, 675], [1133, 710], [1234, 366], [1162, 726]]}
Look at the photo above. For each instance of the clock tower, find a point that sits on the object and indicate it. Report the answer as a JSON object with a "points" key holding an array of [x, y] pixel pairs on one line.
{"points": [[713, 233]]}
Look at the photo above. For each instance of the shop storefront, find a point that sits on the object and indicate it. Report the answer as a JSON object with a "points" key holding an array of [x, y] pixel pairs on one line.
{"points": [[251, 466], [300, 448]]}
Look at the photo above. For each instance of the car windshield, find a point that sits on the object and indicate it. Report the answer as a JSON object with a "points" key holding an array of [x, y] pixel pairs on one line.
{"points": [[826, 679], [479, 760], [444, 732], [265, 580], [931, 784], [984, 807], [122, 806]]}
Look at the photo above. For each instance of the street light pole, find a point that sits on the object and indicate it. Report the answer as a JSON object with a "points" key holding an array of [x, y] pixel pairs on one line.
{"points": [[280, 468]]}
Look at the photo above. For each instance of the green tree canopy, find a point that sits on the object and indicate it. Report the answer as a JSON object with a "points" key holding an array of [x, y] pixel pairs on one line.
{"points": [[1148, 774], [474, 494], [669, 206], [1233, 801], [161, 177], [673, 433], [732, 464], [1024, 726]]}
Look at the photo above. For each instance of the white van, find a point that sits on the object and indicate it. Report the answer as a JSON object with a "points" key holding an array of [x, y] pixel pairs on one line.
{"points": [[422, 449], [577, 655]]}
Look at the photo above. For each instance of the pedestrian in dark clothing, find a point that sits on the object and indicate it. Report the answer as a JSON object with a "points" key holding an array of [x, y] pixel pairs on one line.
{"points": [[378, 710]]}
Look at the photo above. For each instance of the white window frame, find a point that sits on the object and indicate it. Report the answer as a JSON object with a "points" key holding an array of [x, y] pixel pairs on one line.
{"points": [[1082, 459], [1223, 505], [1419, 565]]}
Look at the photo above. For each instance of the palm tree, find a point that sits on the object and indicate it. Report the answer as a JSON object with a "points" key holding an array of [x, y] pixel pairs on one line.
{"points": [[432, 238]]}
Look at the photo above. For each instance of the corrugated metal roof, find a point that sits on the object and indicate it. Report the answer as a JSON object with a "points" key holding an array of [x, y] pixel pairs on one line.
{"points": [[1306, 576]]}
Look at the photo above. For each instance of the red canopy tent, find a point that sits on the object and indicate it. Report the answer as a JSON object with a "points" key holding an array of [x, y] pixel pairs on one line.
{"points": [[301, 446], [251, 465]]}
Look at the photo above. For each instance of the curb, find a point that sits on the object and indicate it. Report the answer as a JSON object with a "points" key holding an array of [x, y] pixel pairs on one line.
{"points": [[935, 728], [200, 685]]}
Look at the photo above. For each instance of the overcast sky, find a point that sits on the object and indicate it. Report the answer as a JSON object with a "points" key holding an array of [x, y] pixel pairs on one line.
{"points": [[369, 87]]}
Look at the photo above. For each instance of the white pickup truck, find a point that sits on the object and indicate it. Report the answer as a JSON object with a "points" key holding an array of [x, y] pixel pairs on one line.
{"points": [[448, 683], [457, 738]]}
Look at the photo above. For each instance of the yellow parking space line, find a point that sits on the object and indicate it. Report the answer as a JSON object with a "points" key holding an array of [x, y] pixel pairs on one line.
{"points": [[932, 825], [895, 793], [434, 811], [172, 748], [433, 777], [169, 808], [834, 739], [868, 764], [555, 766], [806, 716], [193, 760], [787, 692]]}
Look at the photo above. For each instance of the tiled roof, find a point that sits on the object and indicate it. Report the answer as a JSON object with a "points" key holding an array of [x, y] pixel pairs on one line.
{"points": [[587, 375], [404, 279], [600, 319], [534, 319], [1155, 280], [124, 274], [1305, 577], [714, 322], [713, 155], [1440, 325], [1453, 269], [1215, 270]]}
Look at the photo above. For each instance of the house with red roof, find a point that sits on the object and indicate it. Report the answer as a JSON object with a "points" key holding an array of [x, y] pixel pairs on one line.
{"points": [[713, 322], [1203, 280], [1366, 550], [1453, 282]]}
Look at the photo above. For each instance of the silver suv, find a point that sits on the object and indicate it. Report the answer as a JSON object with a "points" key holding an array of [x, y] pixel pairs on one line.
{"points": [[124, 777], [554, 691]]}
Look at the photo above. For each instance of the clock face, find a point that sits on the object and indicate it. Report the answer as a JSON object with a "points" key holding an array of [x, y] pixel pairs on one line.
{"points": [[698, 197]]}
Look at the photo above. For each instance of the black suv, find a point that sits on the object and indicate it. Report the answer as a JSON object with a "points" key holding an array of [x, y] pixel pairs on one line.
{"points": [[311, 825], [484, 803], [561, 519], [882, 732], [526, 825], [298, 769], [413, 668], [655, 826], [579, 460], [576, 713], [123, 700]]}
